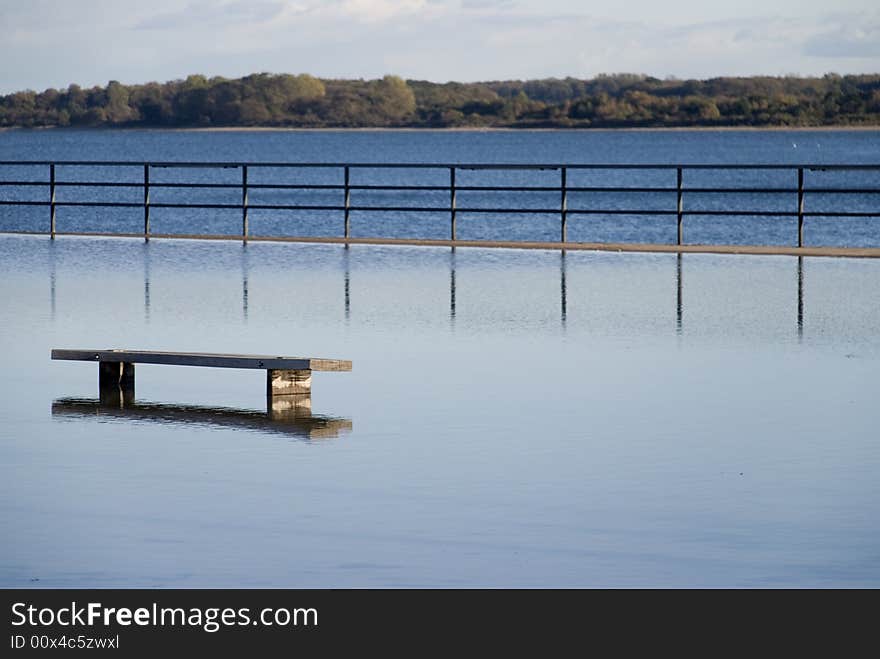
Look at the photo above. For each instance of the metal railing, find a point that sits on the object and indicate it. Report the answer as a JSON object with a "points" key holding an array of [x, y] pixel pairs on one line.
{"points": [[564, 210]]}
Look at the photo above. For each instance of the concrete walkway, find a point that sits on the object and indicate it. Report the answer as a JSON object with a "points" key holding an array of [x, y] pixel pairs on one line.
{"points": [[859, 252]]}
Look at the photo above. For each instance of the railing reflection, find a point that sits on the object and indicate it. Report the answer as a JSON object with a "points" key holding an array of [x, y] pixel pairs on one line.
{"points": [[679, 303], [245, 271], [147, 282], [52, 278], [347, 301], [292, 418], [563, 291], [800, 298], [452, 285], [564, 286]]}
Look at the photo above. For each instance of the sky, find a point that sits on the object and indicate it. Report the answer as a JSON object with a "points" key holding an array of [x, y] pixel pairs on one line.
{"points": [[52, 43]]}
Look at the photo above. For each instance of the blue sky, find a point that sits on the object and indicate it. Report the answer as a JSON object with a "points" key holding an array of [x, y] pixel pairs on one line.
{"points": [[51, 43]]}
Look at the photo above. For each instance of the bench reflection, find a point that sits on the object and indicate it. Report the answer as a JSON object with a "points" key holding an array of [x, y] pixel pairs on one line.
{"points": [[292, 419]]}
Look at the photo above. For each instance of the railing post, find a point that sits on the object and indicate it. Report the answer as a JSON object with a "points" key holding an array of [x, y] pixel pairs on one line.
{"points": [[52, 200], [679, 204], [146, 202], [452, 203], [244, 203], [347, 183], [800, 206], [564, 205]]}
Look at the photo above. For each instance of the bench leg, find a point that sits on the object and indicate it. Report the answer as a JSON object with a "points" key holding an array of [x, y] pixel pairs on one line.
{"points": [[116, 383], [284, 382], [288, 394]]}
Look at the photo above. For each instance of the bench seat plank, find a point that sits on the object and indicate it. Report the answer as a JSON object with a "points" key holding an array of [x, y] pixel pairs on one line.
{"points": [[219, 360]]}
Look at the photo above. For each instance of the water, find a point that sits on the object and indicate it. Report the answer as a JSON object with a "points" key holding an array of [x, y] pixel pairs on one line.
{"points": [[513, 418], [524, 147]]}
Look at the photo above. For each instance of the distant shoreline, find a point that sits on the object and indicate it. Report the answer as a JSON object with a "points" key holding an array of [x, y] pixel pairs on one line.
{"points": [[266, 101], [457, 129]]}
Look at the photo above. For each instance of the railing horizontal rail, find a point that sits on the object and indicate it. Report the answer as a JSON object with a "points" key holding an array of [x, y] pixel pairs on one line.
{"points": [[439, 188], [445, 165], [460, 209]]}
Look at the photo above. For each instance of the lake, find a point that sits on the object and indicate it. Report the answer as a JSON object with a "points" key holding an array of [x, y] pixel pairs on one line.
{"points": [[513, 418], [420, 147]]}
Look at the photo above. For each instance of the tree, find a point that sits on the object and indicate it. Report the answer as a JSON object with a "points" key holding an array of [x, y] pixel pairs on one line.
{"points": [[392, 98], [118, 110], [253, 113]]}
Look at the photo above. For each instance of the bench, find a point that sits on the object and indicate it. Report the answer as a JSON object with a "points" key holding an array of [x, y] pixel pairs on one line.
{"points": [[288, 379]]}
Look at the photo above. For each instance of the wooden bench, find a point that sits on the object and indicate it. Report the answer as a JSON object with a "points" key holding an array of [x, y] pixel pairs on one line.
{"points": [[288, 379]]}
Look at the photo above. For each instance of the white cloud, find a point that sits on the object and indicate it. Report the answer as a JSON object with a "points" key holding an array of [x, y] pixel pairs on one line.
{"points": [[381, 10], [847, 39], [488, 4], [213, 14]]}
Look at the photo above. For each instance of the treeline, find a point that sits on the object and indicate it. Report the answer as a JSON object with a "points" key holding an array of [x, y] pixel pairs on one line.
{"points": [[622, 100]]}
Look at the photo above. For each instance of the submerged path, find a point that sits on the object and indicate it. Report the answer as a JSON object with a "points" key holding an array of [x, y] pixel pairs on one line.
{"points": [[771, 250]]}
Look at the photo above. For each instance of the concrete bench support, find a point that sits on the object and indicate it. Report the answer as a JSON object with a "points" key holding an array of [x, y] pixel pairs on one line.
{"points": [[288, 394], [287, 382], [116, 383]]}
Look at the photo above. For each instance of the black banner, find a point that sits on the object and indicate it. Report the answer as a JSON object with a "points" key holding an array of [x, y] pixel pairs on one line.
{"points": [[127, 622]]}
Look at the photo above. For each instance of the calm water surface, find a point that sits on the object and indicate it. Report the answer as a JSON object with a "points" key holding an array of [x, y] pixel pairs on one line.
{"points": [[514, 418]]}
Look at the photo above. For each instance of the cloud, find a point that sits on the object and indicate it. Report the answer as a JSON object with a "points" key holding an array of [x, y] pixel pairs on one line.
{"points": [[488, 4], [372, 11], [850, 39], [245, 15], [213, 14]]}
